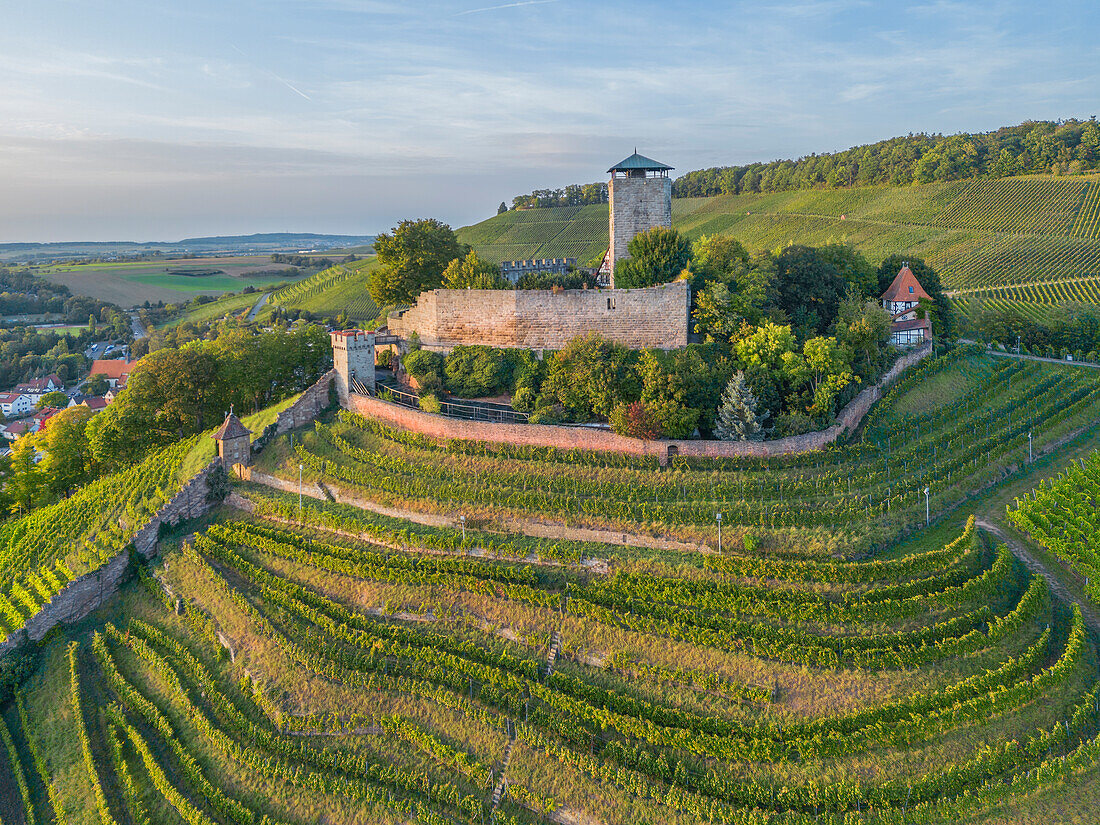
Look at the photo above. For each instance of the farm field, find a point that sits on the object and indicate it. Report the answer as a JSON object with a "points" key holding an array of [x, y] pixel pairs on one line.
{"points": [[982, 235], [289, 662], [133, 283]]}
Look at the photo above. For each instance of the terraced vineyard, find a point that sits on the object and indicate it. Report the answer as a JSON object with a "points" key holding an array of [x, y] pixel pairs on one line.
{"points": [[854, 497], [42, 552], [303, 661], [342, 288], [981, 234], [1063, 516], [373, 684]]}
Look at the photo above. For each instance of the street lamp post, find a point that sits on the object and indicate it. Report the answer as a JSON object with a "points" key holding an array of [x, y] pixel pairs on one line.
{"points": [[718, 518], [927, 509], [300, 466]]}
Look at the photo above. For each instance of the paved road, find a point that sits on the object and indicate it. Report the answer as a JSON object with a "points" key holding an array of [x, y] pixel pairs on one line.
{"points": [[256, 309], [136, 325], [1035, 566]]}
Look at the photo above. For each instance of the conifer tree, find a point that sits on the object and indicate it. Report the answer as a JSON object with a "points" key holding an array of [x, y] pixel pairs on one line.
{"points": [[737, 419]]}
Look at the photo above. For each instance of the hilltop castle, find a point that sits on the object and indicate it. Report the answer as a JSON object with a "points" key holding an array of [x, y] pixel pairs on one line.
{"points": [[651, 318]]}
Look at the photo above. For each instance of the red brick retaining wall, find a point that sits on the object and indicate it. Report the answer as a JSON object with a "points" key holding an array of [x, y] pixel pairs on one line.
{"points": [[591, 438]]}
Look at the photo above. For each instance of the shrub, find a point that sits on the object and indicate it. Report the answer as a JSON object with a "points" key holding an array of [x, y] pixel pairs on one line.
{"points": [[637, 420], [430, 404]]}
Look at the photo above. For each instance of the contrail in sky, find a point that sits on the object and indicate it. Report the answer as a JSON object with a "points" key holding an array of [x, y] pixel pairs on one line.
{"points": [[505, 6], [286, 83]]}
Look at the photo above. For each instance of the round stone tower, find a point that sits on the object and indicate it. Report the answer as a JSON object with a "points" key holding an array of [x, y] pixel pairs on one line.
{"points": [[640, 192]]}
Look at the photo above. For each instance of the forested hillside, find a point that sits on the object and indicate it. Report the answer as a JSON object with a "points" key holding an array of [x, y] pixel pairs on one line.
{"points": [[1033, 147]]}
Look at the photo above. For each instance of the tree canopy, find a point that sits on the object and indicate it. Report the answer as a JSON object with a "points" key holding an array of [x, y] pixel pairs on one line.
{"points": [[413, 256], [657, 256]]}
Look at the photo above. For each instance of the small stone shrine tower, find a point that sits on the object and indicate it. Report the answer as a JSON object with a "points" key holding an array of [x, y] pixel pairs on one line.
{"points": [[353, 358], [640, 192], [234, 445]]}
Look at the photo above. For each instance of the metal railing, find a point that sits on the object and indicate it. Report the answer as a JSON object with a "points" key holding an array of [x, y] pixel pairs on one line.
{"points": [[468, 411]]}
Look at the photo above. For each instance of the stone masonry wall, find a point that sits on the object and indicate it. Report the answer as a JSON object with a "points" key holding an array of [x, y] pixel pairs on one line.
{"points": [[86, 593], [590, 438], [308, 406], [656, 317], [637, 204]]}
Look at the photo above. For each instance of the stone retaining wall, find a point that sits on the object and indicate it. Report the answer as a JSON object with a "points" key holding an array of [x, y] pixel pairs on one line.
{"points": [[86, 593], [308, 406], [591, 438]]}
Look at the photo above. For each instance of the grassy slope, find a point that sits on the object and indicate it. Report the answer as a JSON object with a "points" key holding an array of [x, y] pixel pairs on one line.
{"points": [[984, 235]]}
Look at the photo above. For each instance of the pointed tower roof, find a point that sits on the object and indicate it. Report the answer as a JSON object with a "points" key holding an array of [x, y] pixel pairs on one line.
{"points": [[905, 287], [231, 428], [636, 162]]}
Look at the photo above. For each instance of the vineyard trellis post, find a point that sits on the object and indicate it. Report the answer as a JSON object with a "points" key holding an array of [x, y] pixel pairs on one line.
{"points": [[718, 518]]}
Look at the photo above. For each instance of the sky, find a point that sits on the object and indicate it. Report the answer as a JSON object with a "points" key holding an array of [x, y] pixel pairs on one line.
{"points": [[150, 120]]}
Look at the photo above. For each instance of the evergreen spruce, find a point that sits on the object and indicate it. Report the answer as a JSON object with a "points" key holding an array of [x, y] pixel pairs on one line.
{"points": [[737, 419]]}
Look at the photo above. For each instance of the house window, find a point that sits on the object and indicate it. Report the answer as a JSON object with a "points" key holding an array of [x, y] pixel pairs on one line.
{"points": [[910, 290]]}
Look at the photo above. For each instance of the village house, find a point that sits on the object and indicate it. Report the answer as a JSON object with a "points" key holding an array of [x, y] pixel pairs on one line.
{"points": [[15, 404], [32, 425], [901, 300], [41, 386], [115, 370]]}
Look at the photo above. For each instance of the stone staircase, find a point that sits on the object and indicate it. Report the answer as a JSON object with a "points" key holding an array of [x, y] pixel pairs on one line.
{"points": [[325, 491], [552, 656], [502, 782]]}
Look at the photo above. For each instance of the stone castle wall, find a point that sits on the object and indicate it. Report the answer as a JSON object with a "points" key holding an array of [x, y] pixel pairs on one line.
{"points": [[655, 317], [637, 204], [308, 406], [591, 438]]}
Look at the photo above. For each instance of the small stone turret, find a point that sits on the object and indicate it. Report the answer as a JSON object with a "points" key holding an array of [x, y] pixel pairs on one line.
{"points": [[353, 358], [234, 443]]}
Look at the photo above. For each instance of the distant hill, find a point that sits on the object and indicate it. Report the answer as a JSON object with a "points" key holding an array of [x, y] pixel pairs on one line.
{"points": [[280, 239], [1034, 239]]}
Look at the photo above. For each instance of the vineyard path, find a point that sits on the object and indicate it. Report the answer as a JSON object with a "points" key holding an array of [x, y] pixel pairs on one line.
{"points": [[1020, 551]]}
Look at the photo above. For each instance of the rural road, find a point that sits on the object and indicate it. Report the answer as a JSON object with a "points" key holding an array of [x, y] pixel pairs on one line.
{"points": [[256, 309], [1035, 566], [136, 325]]}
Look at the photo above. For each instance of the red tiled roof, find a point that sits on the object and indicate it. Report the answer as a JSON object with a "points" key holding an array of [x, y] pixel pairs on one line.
{"points": [[231, 428], [9, 397], [94, 402], [112, 367], [905, 287]]}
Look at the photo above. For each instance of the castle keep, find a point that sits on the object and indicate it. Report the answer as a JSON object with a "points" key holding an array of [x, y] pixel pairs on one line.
{"points": [[640, 192]]}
